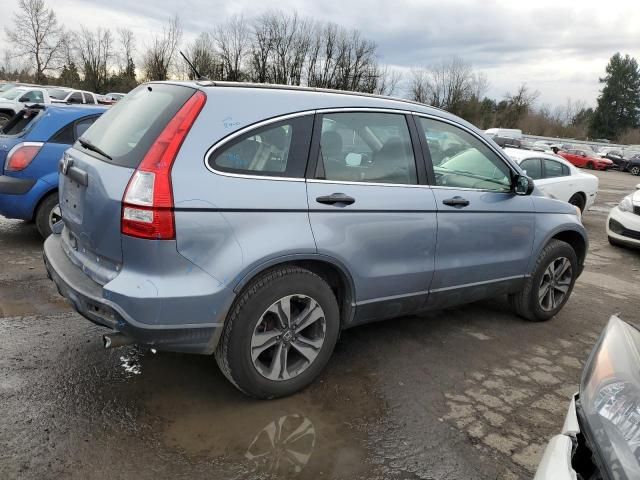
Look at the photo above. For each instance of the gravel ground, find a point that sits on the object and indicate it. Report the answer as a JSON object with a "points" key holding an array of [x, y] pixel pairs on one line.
{"points": [[471, 392]]}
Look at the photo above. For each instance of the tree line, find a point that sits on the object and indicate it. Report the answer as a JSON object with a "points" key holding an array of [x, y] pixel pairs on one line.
{"points": [[286, 48]]}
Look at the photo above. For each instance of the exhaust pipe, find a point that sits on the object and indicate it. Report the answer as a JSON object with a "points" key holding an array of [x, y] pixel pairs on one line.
{"points": [[117, 339]]}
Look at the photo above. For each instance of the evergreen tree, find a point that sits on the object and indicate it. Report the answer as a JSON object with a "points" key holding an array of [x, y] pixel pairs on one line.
{"points": [[69, 76], [619, 102]]}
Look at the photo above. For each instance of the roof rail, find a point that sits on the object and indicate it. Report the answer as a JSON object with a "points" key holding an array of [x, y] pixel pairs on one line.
{"points": [[272, 86]]}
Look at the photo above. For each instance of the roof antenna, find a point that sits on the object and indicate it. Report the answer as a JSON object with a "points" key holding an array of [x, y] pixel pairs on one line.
{"points": [[193, 69]]}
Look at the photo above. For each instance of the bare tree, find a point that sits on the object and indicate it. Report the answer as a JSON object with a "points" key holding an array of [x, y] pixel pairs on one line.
{"points": [[204, 58], [159, 57], [419, 86], [95, 49], [387, 81], [127, 47], [518, 105], [37, 34], [232, 40]]}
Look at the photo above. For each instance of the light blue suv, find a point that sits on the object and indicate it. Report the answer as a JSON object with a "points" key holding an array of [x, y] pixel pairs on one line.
{"points": [[256, 222]]}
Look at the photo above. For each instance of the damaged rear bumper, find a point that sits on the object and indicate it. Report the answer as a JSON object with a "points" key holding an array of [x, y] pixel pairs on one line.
{"points": [[88, 298]]}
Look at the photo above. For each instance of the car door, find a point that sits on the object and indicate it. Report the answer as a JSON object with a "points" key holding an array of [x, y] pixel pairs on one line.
{"points": [[370, 209], [485, 231], [557, 180]]}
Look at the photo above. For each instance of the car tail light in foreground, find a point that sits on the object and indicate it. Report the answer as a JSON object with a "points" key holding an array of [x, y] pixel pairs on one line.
{"points": [[20, 156], [147, 205]]}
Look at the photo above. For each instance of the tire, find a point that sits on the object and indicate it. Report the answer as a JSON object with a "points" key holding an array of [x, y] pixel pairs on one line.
{"points": [[527, 302], [635, 170], [46, 214], [4, 119], [578, 200], [590, 165], [251, 314]]}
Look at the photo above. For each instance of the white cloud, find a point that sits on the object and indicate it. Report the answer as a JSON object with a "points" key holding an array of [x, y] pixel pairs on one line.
{"points": [[559, 47]]}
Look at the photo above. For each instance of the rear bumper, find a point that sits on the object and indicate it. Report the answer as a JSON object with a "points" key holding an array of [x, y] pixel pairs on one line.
{"points": [[88, 299], [15, 186], [20, 196]]}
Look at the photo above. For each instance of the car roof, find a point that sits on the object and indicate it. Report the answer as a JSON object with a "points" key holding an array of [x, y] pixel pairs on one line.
{"points": [[371, 99], [519, 155]]}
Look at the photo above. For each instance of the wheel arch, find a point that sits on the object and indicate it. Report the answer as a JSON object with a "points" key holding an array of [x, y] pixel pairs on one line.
{"points": [[42, 199], [328, 268], [576, 239]]}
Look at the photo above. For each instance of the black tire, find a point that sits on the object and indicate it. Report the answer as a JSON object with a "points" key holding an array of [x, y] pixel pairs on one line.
{"points": [[43, 214], [233, 353], [526, 303], [590, 165], [4, 119], [578, 200], [635, 170]]}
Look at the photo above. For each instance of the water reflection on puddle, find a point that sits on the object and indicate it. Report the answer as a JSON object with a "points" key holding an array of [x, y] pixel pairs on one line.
{"points": [[284, 446]]}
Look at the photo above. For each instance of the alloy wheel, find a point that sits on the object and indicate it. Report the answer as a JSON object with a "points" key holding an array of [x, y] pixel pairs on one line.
{"points": [[288, 337], [635, 170], [555, 283], [55, 215]]}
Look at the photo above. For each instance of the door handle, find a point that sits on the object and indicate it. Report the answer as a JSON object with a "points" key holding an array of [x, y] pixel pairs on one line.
{"points": [[456, 201], [336, 198]]}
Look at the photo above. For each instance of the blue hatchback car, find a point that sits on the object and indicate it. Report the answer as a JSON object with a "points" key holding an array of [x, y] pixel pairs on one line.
{"points": [[31, 145]]}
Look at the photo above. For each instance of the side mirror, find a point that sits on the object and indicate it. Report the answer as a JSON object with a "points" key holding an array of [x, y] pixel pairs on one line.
{"points": [[523, 185], [582, 154]]}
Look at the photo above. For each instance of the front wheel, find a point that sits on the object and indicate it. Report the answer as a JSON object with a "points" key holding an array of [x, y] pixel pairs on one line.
{"points": [[590, 165], [48, 214], [280, 333], [549, 288], [635, 170], [578, 200]]}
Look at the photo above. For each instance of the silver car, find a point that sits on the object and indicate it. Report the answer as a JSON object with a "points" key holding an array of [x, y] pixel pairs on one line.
{"points": [[257, 222]]}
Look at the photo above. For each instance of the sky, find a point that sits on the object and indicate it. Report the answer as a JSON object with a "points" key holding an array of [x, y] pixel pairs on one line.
{"points": [[558, 47]]}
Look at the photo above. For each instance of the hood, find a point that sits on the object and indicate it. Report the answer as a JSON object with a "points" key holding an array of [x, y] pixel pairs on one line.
{"points": [[635, 198], [4, 101]]}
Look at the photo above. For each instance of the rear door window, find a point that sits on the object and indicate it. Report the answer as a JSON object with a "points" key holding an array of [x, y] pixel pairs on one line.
{"points": [[88, 98], [533, 167], [554, 169], [128, 129]]}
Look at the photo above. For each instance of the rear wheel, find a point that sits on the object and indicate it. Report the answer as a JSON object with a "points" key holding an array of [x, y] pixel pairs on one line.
{"points": [[635, 170], [578, 200], [48, 214], [280, 333], [551, 284]]}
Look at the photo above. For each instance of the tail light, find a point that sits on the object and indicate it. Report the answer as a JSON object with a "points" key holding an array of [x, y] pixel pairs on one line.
{"points": [[147, 205], [20, 156]]}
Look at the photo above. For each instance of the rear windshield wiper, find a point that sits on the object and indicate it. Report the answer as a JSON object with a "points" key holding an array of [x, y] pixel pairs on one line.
{"points": [[90, 146]]}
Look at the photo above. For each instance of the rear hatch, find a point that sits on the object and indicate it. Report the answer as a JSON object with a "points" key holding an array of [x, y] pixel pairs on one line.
{"points": [[95, 173]]}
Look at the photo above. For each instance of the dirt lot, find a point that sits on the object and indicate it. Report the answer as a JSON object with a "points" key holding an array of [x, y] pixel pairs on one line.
{"points": [[472, 392]]}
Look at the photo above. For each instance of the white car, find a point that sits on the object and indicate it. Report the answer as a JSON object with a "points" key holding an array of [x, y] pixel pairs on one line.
{"points": [[623, 224], [15, 99], [69, 95], [557, 178]]}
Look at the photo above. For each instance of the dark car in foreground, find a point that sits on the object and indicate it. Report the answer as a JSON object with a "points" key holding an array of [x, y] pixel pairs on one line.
{"points": [[600, 438], [31, 146], [257, 222]]}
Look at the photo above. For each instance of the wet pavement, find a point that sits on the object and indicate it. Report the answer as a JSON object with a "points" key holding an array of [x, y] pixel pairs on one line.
{"points": [[471, 392]]}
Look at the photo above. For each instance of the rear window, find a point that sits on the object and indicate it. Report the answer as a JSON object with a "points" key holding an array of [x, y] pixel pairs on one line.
{"points": [[20, 122], [128, 129]]}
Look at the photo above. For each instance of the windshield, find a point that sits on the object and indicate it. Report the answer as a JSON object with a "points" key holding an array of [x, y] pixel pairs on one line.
{"points": [[12, 94]]}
